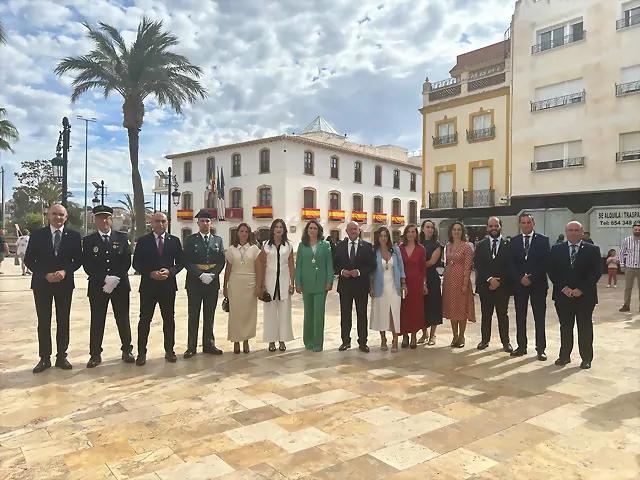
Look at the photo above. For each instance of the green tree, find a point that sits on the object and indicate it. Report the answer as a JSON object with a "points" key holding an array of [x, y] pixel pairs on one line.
{"points": [[38, 183], [129, 207], [31, 221], [148, 67], [8, 132]]}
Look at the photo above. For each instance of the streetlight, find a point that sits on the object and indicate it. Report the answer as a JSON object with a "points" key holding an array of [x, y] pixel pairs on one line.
{"points": [[86, 162], [61, 160], [101, 188], [171, 181]]}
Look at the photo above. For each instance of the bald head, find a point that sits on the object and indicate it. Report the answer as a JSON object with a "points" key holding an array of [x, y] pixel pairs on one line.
{"points": [[574, 232], [159, 223], [57, 215], [353, 230], [494, 227]]}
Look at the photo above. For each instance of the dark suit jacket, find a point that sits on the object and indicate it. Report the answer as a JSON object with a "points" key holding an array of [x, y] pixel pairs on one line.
{"points": [[146, 259], [100, 260], [584, 275], [486, 266], [365, 261], [534, 264], [40, 259]]}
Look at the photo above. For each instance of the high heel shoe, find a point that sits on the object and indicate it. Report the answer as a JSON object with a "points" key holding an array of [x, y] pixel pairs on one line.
{"points": [[423, 339], [460, 343], [236, 348], [383, 346], [394, 346], [245, 347], [454, 342], [272, 347]]}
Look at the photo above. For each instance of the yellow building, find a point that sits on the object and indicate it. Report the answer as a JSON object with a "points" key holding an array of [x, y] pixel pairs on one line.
{"points": [[466, 140]]}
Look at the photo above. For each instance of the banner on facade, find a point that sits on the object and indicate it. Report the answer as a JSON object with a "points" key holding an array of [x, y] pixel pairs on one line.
{"points": [[618, 217]]}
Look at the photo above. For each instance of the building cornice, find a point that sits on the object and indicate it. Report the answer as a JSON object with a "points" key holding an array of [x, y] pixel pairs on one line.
{"points": [[466, 100]]}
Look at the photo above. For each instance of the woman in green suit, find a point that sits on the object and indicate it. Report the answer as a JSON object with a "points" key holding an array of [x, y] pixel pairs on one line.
{"points": [[314, 278]]}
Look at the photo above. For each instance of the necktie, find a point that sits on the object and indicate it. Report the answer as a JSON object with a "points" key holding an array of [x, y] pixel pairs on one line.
{"points": [[526, 242], [574, 254], [105, 238], [206, 239], [352, 252], [56, 242], [160, 245], [494, 249]]}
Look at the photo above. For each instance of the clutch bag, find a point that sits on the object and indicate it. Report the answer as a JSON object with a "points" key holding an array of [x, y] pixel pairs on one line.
{"points": [[266, 297], [225, 304]]}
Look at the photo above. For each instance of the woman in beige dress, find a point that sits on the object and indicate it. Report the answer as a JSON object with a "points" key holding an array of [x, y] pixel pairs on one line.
{"points": [[243, 266]]}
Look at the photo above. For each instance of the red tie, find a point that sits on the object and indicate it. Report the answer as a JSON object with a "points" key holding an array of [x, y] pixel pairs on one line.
{"points": [[160, 245]]}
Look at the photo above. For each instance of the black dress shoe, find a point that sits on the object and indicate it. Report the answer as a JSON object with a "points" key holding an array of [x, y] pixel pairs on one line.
{"points": [[188, 354], [542, 356], [127, 357], [585, 365], [625, 308], [94, 362], [561, 362], [42, 365], [483, 345], [212, 350], [507, 348], [344, 346], [141, 360], [519, 352], [170, 357], [63, 364], [364, 348]]}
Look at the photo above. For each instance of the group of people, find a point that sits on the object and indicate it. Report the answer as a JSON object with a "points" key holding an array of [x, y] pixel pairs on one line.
{"points": [[402, 280]]}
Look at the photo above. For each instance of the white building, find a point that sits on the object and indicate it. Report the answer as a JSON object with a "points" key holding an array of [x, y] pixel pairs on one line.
{"points": [[315, 174]]}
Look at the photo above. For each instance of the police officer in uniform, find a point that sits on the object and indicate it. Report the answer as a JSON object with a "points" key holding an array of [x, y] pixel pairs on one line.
{"points": [[106, 260], [204, 260]]}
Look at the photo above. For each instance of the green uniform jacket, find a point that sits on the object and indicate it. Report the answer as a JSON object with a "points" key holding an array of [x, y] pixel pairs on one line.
{"points": [[312, 276], [197, 253]]}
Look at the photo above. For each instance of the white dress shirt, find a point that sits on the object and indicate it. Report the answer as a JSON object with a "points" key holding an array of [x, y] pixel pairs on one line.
{"points": [[53, 233], [499, 241], [630, 252], [164, 238], [102, 235], [356, 244]]}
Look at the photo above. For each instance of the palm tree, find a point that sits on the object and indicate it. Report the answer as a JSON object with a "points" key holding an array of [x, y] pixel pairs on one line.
{"points": [[146, 68], [3, 36], [131, 210], [8, 132]]}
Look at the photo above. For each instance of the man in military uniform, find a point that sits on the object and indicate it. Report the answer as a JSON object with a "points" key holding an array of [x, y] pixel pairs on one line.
{"points": [[204, 260], [107, 259]]}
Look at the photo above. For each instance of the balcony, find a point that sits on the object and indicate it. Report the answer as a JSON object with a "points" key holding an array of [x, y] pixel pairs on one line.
{"points": [[360, 217], [262, 211], [556, 164], [336, 215], [627, 22], [555, 43], [558, 101], [185, 214], [445, 140], [486, 77], [310, 214], [479, 198], [397, 219], [627, 156], [236, 213], [627, 88], [482, 134], [442, 89], [441, 200], [380, 218]]}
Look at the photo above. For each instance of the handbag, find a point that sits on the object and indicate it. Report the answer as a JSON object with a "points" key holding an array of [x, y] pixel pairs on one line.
{"points": [[225, 304], [266, 297]]}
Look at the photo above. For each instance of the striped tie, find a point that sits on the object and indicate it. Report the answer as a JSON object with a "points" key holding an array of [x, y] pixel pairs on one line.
{"points": [[574, 254], [56, 242]]}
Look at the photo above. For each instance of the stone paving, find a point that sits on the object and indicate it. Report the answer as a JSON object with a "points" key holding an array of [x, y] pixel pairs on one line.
{"points": [[430, 413]]}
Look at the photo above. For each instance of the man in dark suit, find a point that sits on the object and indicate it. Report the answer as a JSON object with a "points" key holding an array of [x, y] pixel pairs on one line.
{"points": [[529, 259], [204, 260], [354, 262], [491, 260], [53, 255], [575, 268], [158, 259], [106, 259]]}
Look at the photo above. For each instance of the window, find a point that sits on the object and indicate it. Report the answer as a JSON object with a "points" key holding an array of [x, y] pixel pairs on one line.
{"points": [[412, 182], [308, 163], [185, 233], [630, 16], [187, 201], [482, 122], [445, 132], [629, 147], [357, 172], [396, 207], [413, 212], [264, 196], [187, 170], [211, 167], [378, 176], [235, 165], [446, 129], [309, 198], [210, 199], [377, 205], [333, 163], [265, 161], [559, 35], [335, 234], [629, 80], [357, 202], [559, 94], [396, 236], [334, 201], [396, 178], [558, 155], [232, 235], [236, 197]]}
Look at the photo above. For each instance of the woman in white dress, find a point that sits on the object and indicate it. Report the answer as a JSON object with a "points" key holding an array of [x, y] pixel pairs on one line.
{"points": [[387, 288], [21, 245], [244, 265], [278, 282]]}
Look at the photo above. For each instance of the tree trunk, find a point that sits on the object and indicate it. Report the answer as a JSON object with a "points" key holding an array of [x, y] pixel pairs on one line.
{"points": [[136, 180]]}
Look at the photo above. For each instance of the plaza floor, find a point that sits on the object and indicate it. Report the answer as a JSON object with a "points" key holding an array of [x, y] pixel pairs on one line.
{"points": [[430, 413]]}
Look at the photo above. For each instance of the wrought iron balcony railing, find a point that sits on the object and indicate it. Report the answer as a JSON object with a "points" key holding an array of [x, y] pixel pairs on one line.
{"points": [[559, 101], [481, 134], [554, 42], [442, 200], [445, 140], [479, 198], [556, 164], [626, 88], [627, 156], [627, 22]]}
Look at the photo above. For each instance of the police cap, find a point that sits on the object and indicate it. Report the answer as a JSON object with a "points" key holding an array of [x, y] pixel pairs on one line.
{"points": [[203, 214], [103, 210]]}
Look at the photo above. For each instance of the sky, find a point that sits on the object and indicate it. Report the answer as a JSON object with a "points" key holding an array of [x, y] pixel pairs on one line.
{"points": [[270, 67]]}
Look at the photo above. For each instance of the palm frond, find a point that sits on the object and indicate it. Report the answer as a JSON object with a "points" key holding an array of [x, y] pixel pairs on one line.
{"points": [[3, 35], [8, 132]]}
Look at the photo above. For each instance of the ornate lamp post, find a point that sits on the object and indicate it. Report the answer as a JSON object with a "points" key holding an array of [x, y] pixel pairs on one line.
{"points": [[101, 189], [61, 160], [172, 183]]}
